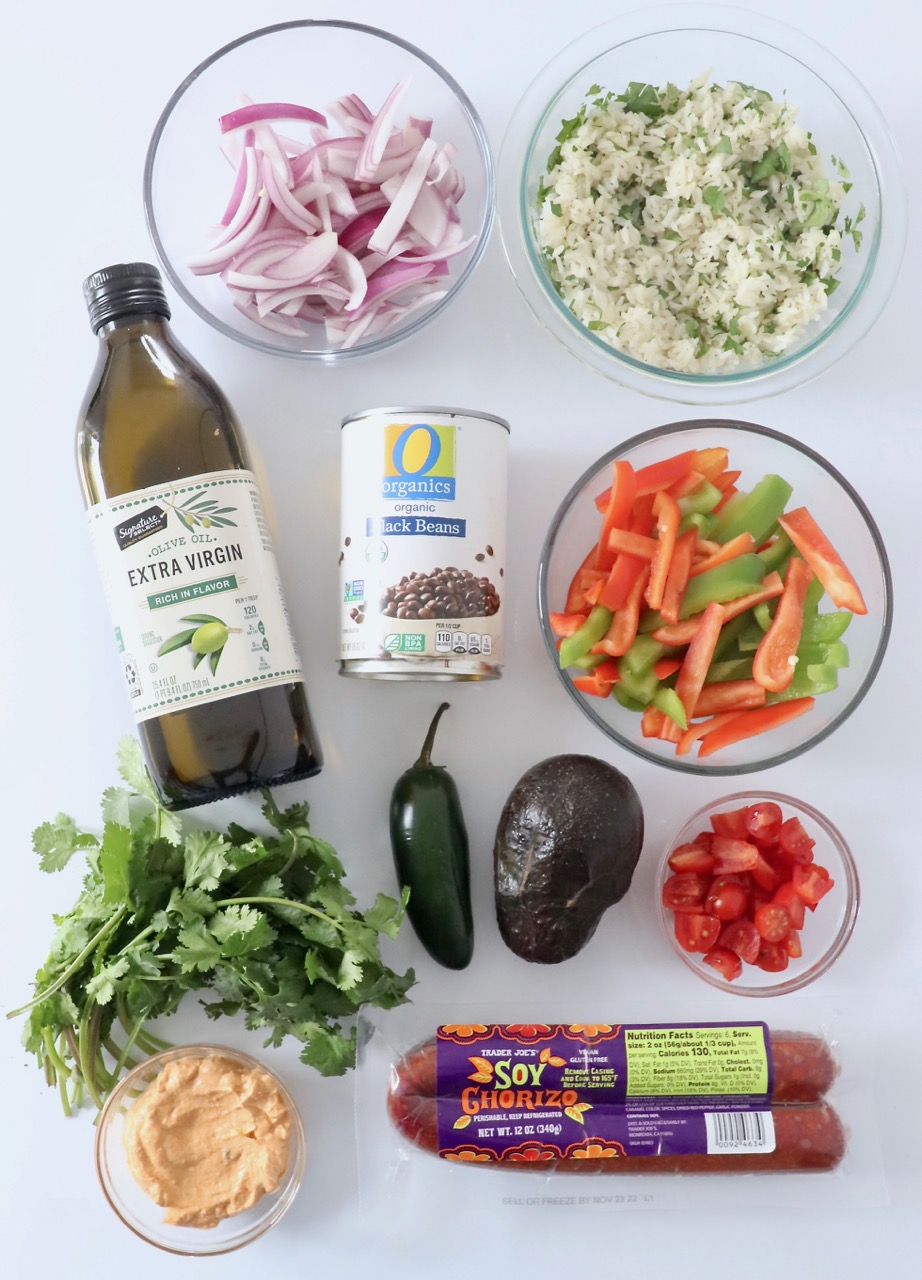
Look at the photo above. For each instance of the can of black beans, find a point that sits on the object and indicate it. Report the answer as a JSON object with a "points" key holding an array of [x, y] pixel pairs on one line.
{"points": [[422, 558]]}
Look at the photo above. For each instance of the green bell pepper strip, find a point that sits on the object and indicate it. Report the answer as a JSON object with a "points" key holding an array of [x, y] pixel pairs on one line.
{"points": [[669, 702], [755, 512], [732, 669], [641, 686], [643, 653], [751, 636], [815, 593], [826, 626], [777, 555], [697, 520], [738, 577], [700, 501], [730, 633], [764, 613], [814, 652], [810, 679], [582, 640]]}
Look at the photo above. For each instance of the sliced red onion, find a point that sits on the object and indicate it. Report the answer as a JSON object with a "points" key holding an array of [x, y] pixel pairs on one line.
{"points": [[402, 198], [378, 135], [354, 232], [256, 111]]}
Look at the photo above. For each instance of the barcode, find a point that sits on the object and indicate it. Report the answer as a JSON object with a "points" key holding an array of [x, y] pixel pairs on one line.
{"points": [[729, 1131]]}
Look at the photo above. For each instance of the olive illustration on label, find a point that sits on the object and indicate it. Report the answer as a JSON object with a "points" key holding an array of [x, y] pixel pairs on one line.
{"points": [[206, 639]]}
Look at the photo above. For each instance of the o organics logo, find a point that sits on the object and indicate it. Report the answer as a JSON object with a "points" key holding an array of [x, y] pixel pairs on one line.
{"points": [[419, 461]]}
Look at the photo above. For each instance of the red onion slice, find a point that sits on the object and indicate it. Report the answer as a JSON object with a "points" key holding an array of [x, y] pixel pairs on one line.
{"points": [[354, 232]]}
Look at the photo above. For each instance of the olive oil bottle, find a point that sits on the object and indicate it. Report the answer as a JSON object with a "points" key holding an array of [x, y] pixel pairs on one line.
{"points": [[180, 536]]}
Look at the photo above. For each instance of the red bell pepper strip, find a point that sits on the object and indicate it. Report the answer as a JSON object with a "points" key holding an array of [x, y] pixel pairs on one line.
{"points": [[743, 544], [632, 544], [728, 493], [698, 657], [666, 667], [668, 516], [823, 559], [682, 632], [585, 574], [656, 476], [623, 630], [627, 569], [729, 695], [776, 657], [677, 578], [711, 462], [701, 730], [689, 481], [565, 624], [724, 481], [652, 721], [600, 680], [749, 723], [618, 512]]}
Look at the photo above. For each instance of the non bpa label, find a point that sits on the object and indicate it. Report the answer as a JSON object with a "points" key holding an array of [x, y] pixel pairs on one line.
{"points": [[530, 1092]]}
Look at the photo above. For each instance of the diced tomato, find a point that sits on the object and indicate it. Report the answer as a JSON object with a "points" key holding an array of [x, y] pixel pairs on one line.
{"points": [[742, 937], [730, 823], [795, 843], [727, 898], [691, 857], [788, 897], [793, 945], [704, 840], [733, 855], [763, 822], [765, 875], [685, 891], [772, 922], [811, 882], [772, 957], [695, 931], [726, 962]]}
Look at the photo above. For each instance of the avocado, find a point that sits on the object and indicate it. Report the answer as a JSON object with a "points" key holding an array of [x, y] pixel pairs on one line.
{"points": [[566, 847]]}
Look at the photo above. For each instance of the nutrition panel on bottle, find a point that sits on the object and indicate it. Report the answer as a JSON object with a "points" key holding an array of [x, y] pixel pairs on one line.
{"points": [[423, 550]]}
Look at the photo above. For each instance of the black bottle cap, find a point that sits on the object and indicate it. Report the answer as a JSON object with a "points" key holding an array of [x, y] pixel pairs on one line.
{"points": [[132, 288]]}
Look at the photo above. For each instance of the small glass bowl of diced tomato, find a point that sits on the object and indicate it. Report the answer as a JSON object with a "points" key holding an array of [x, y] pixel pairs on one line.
{"points": [[758, 893], [715, 596]]}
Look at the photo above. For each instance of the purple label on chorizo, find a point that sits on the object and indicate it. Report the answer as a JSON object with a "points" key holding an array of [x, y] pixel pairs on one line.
{"points": [[542, 1092]]}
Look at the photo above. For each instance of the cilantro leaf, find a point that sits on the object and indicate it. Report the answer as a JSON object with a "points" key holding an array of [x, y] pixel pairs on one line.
{"points": [[205, 859], [56, 842]]}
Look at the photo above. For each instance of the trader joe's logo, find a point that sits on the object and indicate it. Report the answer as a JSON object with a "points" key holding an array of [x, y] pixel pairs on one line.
{"points": [[419, 462]]}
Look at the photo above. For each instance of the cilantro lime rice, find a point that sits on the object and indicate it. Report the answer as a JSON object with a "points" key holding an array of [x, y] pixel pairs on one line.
{"points": [[693, 229]]}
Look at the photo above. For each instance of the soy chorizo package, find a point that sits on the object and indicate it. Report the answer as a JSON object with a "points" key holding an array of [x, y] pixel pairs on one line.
{"points": [[640, 1106]]}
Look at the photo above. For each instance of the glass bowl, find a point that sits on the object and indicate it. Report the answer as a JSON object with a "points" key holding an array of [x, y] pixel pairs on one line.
{"points": [[141, 1213], [677, 43], [825, 931], [188, 181], [756, 451]]}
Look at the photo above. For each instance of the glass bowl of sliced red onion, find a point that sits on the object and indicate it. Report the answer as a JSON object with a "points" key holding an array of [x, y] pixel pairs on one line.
{"points": [[319, 189]]}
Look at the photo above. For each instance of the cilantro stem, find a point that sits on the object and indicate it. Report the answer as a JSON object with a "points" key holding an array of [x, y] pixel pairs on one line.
{"points": [[59, 1066], [74, 966], [86, 1045], [280, 902]]}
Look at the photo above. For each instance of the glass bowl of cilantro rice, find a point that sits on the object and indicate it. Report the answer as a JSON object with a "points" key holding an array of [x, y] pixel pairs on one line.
{"points": [[691, 201]]}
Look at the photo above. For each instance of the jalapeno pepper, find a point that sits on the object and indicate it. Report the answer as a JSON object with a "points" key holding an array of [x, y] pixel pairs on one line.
{"points": [[429, 842]]}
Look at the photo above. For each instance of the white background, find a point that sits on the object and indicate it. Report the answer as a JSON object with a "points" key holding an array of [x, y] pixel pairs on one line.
{"points": [[83, 87]]}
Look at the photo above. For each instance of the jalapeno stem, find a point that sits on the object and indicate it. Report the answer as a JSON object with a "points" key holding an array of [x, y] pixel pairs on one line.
{"points": [[425, 756]]}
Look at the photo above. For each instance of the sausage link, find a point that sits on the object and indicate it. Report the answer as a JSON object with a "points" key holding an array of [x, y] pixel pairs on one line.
{"points": [[808, 1133]]}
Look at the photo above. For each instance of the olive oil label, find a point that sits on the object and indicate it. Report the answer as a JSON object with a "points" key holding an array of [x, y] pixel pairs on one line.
{"points": [[193, 589], [550, 1091], [422, 561]]}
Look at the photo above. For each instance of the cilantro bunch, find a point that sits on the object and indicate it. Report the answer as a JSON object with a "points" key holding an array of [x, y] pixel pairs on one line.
{"points": [[263, 922]]}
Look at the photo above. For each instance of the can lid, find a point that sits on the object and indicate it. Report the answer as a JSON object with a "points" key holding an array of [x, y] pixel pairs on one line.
{"points": [[128, 288], [417, 410]]}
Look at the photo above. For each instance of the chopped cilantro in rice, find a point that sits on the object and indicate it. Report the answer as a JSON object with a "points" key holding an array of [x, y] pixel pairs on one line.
{"points": [[692, 229]]}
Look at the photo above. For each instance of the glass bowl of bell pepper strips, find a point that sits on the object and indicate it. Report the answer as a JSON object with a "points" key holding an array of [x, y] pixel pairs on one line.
{"points": [[758, 893], [715, 596]]}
